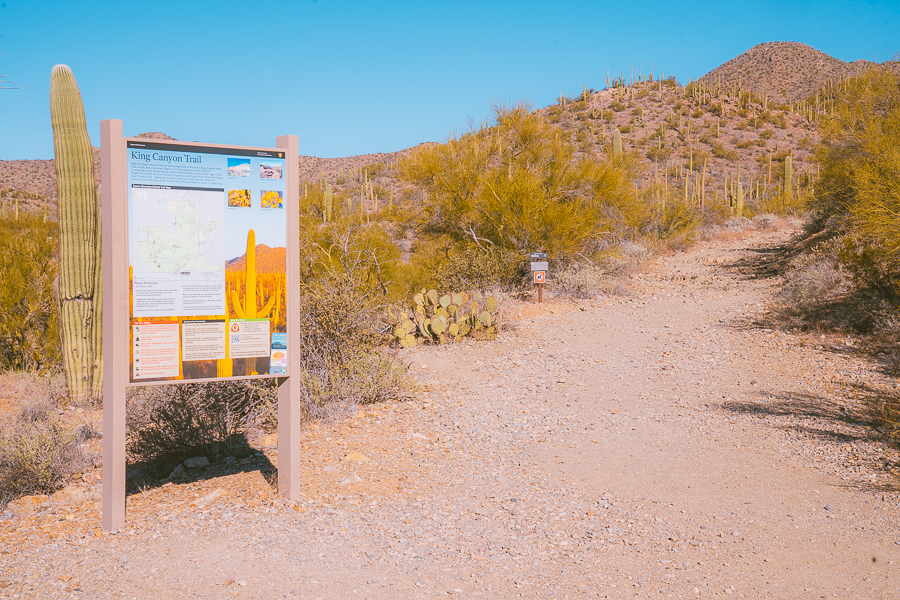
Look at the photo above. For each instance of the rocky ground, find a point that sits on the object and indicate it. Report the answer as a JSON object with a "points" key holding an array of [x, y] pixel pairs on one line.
{"points": [[659, 444]]}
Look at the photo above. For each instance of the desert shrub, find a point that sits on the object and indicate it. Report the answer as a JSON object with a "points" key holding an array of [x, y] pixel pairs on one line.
{"points": [[778, 119], [677, 221], [588, 280], [519, 186], [474, 268], [859, 188], [812, 283], [887, 412], [720, 151], [342, 345], [659, 155], [170, 423], [38, 450], [29, 335]]}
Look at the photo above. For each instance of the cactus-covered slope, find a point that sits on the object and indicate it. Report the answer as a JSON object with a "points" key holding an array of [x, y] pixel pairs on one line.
{"points": [[786, 71]]}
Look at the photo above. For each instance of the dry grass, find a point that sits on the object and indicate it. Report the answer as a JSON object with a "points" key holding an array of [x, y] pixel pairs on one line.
{"points": [[39, 447]]}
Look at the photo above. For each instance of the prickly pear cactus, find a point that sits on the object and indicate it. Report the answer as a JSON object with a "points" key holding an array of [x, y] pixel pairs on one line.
{"points": [[435, 318]]}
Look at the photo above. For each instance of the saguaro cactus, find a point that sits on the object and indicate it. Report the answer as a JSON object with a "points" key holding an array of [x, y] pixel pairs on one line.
{"points": [[617, 143], [249, 310], [79, 238], [788, 174]]}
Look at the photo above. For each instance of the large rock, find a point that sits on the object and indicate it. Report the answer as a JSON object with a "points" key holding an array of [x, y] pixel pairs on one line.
{"points": [[198, 462]]}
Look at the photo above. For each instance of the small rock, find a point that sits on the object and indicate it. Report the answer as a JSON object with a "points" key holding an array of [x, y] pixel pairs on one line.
{"points": [[331, 468], [829, 507], [210, 497], [242, 583], [92, 477], [356, 457], [197, 462], [296, 592], [177, 473], [351, 478]]}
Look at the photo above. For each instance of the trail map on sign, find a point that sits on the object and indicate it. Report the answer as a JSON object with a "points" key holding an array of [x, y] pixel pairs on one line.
{"points": [[182, 232]]}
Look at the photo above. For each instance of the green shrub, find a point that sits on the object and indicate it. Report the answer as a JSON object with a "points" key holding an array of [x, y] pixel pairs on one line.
{"points": [[859, 187], [29, 333], [521, 187]]}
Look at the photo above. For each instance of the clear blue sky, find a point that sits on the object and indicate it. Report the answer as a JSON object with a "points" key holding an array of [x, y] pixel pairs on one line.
{"points": [[356, 77]]}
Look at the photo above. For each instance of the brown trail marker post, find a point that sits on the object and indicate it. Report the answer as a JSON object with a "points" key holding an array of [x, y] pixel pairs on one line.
{"points": [[179, 220], [539, 269]]}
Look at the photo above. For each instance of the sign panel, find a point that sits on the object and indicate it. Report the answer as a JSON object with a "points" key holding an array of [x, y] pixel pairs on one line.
{"points": [[540, 276], [207, 261], [539, 266]]}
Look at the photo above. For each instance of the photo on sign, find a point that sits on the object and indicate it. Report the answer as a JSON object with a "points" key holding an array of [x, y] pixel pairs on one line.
{"points": [[271, 199], [257, 242], [271, 169], [239, 198], [239, 167]]}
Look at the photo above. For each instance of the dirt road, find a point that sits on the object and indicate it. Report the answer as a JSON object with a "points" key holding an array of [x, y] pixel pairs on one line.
{"points": [[661, 444]]}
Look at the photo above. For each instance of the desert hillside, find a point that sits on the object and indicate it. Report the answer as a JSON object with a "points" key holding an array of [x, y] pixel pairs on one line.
{"points": [[735, 118]]}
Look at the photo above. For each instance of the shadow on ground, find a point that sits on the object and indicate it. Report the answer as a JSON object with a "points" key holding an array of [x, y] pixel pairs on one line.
{"points": [[239, 456], [836, 422], [763, 263]]}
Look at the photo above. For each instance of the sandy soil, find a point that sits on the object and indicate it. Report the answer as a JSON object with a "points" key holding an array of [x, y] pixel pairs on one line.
{"points": [[662, 444]]}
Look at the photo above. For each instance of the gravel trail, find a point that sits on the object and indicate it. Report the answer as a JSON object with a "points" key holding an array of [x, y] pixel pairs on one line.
{"points": [[662, 444]]}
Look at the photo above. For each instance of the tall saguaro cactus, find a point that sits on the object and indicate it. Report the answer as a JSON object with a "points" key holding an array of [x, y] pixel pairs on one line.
{"points": [[249, 309], [617, 143], [788, 175], [79, 238]]}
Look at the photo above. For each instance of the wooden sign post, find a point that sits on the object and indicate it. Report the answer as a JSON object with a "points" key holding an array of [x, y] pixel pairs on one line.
{"points": [[181, 224], [539, 269]]}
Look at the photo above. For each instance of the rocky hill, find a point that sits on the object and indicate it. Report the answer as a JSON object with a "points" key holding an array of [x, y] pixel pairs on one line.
{"points": [[786, 71]]}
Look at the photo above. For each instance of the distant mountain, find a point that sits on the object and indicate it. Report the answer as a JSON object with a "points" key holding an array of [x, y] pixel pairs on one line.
{"points": [[39, 176], [786, 71], [268, 260]]}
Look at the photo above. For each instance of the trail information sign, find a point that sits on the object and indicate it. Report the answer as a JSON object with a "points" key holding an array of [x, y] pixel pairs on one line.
{"points": [[199, 242], [207, 250]]}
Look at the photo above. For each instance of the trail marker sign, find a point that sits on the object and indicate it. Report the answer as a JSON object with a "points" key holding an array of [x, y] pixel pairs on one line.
{"points": [[539, 266]]}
